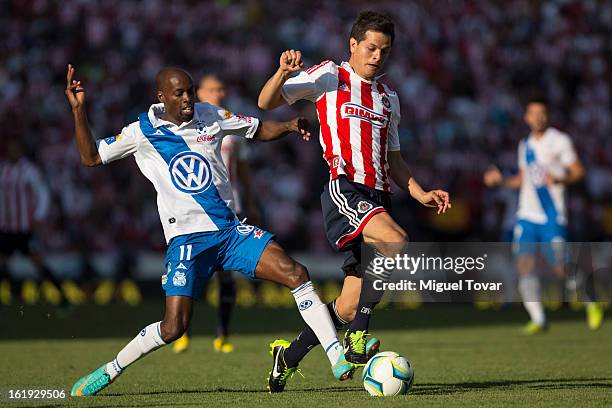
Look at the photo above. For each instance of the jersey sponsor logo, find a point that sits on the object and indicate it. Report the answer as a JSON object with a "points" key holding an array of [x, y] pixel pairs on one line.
{"points": [[206, 138], [244, 229], [244, 118], [179, 279], [342, 87], [353, 110], [305, 304], [363, 207], [112, 139], [190, 172], [537, 174]]}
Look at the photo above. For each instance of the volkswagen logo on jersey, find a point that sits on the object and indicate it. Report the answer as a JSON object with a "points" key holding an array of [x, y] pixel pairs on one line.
{"points": [[190, 172], [537, 174], [352, 110]]}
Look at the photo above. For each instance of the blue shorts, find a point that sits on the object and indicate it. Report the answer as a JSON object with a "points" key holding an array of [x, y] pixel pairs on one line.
{"points": [[192, 259], [527, 236]]}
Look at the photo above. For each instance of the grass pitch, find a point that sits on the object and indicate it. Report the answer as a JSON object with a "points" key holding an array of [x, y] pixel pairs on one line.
{"points": [[481, 359]]}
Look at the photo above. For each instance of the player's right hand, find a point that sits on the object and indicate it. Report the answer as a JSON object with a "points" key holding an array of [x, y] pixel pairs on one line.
{"points": [[74, 90], [291, 61], [493, 177]]}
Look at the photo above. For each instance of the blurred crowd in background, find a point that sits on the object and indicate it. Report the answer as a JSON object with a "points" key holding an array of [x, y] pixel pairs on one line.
{"points": [[463, 71]]}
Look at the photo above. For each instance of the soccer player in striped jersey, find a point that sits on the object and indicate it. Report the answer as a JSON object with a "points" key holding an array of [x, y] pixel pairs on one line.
{"points": [[24, 203], [547, 163], [176, 145], [211, 90], [359, 117]]}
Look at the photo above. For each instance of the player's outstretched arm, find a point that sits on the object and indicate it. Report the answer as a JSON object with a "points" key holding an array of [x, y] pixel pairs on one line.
{"points": [[494, 178], [400, 173], [270, 96], [75, 93], [270, 130]]}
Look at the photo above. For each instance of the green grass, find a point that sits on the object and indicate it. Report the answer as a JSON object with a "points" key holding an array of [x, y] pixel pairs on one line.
{"points": [[485, 363]]}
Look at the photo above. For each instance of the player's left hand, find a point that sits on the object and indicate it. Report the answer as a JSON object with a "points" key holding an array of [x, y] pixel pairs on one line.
{"points": [[437, 198], [300, 125]]}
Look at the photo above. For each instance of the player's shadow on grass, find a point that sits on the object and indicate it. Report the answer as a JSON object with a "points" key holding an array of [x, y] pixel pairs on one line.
{"points": [[236, 390], [548, 384]]}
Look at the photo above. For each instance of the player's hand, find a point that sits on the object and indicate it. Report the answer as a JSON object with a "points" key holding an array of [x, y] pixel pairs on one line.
{"points": [[300, 125], [291, 61], [74, 90], [493, 177], [551, 181], [437, 198]]}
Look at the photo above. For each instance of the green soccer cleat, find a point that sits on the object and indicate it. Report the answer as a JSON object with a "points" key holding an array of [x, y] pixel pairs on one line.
{"points": [[91, 384], [355, 347], [533, 328], [280, 372], [595, 315]]}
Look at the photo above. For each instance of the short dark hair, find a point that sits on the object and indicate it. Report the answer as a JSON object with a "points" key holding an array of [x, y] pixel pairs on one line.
{"points": [[373, 21]]}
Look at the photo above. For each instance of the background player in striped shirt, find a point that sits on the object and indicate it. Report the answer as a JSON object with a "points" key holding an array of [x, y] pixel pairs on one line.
{"points": [[24, 204], [211, 90], [359, 118]]}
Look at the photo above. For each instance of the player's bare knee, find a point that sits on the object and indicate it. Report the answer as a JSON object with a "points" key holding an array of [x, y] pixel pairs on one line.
{"points": [[173, 330], [296, 276]]}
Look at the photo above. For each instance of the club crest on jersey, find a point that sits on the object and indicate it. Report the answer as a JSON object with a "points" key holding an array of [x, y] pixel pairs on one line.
{"points": [[385, 101], [352, 110], [363, 207], [190, 172], [244, 229], [179, 279]]}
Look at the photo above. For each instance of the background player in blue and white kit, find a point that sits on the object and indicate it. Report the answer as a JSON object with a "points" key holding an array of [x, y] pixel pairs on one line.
{"points": [[547, 163], [211, 89], [176, 145]]}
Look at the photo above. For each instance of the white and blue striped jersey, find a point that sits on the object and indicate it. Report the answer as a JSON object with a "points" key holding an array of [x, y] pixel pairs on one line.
{"points": [[551, 154], [184, 164]]}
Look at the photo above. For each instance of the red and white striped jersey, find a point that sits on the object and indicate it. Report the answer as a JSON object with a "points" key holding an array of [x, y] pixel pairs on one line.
{"points": [[359, 120], [24, 196]]}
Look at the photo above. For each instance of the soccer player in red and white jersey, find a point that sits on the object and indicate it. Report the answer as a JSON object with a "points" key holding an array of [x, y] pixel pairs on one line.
{"points": [[211, 89], [359, 118], [24, 203]]}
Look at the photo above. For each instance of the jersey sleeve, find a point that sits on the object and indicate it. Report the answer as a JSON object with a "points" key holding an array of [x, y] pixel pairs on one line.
{"points": [[393, 143], [567, 153], [520, 151], [121, 145], [236, 124], [309, 84]]}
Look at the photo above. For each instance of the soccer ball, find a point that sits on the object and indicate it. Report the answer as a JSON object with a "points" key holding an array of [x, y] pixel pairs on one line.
{"points": [[387, 374]]}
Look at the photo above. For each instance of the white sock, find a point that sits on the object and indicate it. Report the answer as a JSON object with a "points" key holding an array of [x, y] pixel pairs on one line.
{"points": [[529, 288], [316, 315], [147, 340]]}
